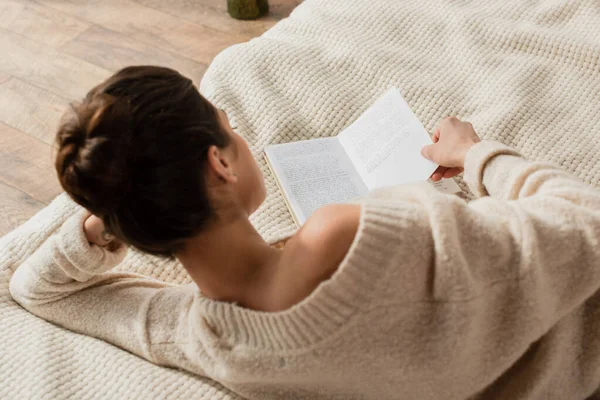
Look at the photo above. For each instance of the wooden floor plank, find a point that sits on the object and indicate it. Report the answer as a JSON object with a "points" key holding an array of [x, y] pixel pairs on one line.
{"points": [[30, 109], [96, 43], [16, 207], [40, 23], [54, 51], [152, 27], [27, 165], [214, 15], [278, 9], [46, 67]]}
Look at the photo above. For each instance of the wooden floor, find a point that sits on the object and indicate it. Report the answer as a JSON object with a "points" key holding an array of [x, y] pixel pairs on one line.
{"points": [[54, 51]]}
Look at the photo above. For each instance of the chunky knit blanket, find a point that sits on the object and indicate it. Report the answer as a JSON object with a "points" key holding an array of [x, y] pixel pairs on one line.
{"points": [[524, 73]]}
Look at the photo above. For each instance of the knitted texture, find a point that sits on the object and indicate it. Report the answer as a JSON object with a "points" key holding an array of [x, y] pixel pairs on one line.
{"points": [[39, 360], [523, 73]]}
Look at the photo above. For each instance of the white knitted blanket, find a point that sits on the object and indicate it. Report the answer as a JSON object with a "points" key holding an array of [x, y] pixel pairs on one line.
{"points": [[524, 73]]}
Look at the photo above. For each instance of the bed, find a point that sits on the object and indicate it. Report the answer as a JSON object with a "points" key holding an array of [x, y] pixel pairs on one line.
{"points": [[524, 73]]}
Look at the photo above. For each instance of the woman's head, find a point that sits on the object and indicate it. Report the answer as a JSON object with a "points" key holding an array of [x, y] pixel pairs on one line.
{"points": [[154, 159]]}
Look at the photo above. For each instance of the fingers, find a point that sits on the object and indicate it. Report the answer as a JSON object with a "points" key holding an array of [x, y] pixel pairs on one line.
{"points": [[436, 135], [452, 172], [445, 172], [438, 174], [428, 151]]}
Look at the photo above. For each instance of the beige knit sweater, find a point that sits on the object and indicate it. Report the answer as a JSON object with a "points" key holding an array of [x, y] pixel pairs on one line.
{"points": [[436, 299]]}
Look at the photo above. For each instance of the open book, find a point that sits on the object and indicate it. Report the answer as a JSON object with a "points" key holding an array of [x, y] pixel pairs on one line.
{"points": [[381, 148]]}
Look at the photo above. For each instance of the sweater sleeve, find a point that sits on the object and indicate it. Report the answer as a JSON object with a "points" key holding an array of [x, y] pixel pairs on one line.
{"points": [[505, 268], [67, 281]]}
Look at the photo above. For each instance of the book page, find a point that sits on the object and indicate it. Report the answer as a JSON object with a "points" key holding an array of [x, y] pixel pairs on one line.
{"points": [[385, 143], [312, 173]]}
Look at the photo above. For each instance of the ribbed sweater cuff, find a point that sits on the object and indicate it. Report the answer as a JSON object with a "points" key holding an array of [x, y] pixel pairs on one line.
{"points": [[477, 160], [80, 259]]}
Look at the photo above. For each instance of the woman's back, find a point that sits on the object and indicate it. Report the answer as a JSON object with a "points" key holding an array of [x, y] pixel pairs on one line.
{"points": [[310, 256], [435, 298]]}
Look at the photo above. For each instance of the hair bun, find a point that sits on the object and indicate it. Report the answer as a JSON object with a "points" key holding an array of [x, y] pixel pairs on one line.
{"points": [[96, 154]]}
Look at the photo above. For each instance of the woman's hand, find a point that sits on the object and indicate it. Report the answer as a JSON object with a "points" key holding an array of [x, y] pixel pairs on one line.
{"points": [[96, 233], [451, 141]]}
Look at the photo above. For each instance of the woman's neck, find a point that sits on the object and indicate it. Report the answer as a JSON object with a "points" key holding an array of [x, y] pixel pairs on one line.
{"points": [[231, 262]]}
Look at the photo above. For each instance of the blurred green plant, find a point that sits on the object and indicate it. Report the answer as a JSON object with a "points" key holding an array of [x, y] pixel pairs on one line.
{"points": [[247, 9]]}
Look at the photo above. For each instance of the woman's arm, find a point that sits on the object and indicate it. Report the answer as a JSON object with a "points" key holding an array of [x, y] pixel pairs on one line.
{"points": [[504, 269], [533, 225], [67, 282]]}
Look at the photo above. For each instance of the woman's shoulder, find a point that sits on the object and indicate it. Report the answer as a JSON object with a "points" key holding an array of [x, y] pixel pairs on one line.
{"points": [[313, 254], [330, 230]]}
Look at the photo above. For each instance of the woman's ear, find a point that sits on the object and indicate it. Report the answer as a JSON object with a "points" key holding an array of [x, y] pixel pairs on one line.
{"points": [[220, 165]]}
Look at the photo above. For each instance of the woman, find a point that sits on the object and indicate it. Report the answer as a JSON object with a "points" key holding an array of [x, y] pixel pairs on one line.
{"points": [[409, 294]]}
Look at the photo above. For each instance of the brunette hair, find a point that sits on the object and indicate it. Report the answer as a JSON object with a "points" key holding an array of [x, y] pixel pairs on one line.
{"points": [[133, 152]]}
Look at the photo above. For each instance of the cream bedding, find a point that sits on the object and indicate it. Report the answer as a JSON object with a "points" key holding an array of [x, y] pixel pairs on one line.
{"points": [[524, 73]]}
